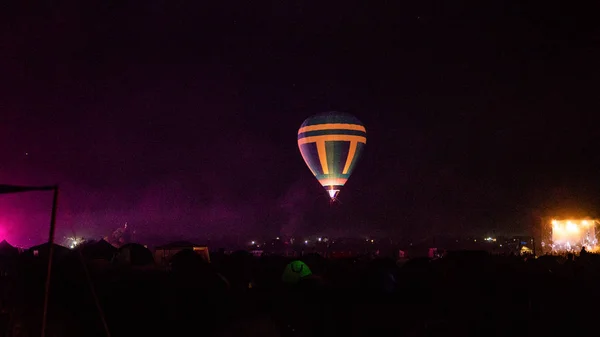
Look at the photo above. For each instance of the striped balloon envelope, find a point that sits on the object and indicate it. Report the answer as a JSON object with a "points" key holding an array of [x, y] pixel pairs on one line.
{"points": [[331, 144]]}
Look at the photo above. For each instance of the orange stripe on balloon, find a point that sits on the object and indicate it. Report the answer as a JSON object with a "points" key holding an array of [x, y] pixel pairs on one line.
{"points": [[332, 138], [351, 153], [322, 152], [333, 181], [332, 126]]}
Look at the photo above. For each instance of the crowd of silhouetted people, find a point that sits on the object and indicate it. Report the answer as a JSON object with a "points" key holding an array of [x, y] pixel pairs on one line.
{"points": [[460, 294]]}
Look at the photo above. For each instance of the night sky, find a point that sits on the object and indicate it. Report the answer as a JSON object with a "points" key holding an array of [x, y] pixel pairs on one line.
{"points": [[180, 117]]}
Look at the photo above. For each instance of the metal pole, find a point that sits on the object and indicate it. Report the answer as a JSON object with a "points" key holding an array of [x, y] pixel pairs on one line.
{"points": [[93, 290], [50, 254]]}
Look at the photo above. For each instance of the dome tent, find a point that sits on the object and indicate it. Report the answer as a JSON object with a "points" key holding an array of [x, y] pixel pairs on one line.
{"points": [[99, 250], [295, 271], [134, 254]]}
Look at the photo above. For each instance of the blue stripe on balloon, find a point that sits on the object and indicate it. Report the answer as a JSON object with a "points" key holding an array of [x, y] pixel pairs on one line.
{"points": [[311, 156], [332, 175]]}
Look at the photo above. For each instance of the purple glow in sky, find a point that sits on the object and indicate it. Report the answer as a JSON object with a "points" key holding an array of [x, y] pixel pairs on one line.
{"points": [[181, 119]]}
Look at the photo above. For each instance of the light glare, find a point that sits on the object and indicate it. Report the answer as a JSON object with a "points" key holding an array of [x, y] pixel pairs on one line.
{"points": [[572, 235]]}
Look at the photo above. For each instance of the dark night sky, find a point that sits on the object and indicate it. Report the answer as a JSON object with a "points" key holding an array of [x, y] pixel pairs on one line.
{"points": [[180, 117]]}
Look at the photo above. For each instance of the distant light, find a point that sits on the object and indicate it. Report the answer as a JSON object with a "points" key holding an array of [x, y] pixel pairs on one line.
{"points": [[319, 239], [306, 241], [372, 240], [253, 242], [277, 238], [475, 240], [500, 245]]}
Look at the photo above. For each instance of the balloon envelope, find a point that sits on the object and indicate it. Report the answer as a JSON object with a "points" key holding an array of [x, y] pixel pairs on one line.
{"points": [[331, 144]]}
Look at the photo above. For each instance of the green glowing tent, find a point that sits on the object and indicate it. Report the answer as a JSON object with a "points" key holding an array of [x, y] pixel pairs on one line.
{"points": [[295, 271]]}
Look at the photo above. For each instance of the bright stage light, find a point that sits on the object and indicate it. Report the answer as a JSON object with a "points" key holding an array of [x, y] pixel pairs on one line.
{"points": [[573, 234]]}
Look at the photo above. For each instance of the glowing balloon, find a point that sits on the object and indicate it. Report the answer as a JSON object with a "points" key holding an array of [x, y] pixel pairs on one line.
{"points": [[331, 144]]}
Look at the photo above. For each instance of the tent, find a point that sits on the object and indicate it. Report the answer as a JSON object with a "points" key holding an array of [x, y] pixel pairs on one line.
{"points": [[43, 250], [100, 250], [526, 250], [135, 255], [163, 254], [295, 271], [6, 249]]}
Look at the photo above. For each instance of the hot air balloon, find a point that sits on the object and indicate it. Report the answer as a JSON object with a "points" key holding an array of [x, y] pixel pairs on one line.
{"points": [[331, 144]]}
